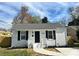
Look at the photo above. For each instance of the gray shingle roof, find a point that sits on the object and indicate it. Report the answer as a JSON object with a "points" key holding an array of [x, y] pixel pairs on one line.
{"points": [[37, 26]]}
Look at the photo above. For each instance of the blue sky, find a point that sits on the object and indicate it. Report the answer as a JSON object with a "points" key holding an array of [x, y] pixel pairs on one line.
{"points": [[53, 10]]}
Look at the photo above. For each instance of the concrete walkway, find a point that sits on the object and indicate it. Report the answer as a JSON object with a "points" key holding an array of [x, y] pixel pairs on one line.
{"points": [[63, 51], [46, 52], [39, 49], [69, 51]]}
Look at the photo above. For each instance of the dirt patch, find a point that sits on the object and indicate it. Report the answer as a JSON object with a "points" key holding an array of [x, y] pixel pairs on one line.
{"points": [[52, 49]]}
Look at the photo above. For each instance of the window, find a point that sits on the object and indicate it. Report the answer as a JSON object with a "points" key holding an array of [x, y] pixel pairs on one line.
{"points": [[50, 34], [22, 35]]}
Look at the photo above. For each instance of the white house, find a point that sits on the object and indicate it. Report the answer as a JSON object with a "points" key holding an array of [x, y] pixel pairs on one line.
{"points": [[26, 35]]}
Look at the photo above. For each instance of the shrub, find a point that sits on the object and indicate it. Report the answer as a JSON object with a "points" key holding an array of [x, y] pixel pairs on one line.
{"points": [[70, 41], [77, 33], [5, 39]]}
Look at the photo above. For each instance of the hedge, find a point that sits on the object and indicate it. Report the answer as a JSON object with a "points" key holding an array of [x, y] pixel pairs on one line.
{"points": [[70, 41], [5, 39]]}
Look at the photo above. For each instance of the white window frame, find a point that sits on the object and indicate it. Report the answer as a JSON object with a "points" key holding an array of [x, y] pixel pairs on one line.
{"points": [[52, 34]]}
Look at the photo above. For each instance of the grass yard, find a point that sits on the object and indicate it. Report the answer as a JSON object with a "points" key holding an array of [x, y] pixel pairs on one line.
{"points": [[18, 52]]}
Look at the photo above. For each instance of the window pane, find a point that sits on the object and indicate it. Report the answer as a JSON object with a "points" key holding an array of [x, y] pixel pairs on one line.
{"points": [[23, 37], [22, 32], [49, 34]]}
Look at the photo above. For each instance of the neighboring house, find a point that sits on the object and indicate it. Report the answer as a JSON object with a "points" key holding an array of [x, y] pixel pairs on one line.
{"points": [[27, 34]]}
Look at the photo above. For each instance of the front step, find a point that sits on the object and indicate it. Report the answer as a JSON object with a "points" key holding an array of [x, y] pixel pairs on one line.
{"points": [[37, 45]]}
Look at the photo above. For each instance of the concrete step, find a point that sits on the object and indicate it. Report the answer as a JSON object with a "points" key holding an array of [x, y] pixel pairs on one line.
{"points": [[37, 45]]}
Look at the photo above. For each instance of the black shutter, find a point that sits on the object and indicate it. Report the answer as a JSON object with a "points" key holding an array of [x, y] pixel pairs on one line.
{"points": [[26, 35], [18, 35], [54, 33], [46, 34]]}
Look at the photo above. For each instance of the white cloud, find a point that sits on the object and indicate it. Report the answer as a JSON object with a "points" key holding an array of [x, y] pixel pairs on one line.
{"points": [[49, 10], [6, 23], [37, 11]]}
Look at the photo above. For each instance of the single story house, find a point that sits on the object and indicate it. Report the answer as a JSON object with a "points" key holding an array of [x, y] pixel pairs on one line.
{"points": [[46, 34]]}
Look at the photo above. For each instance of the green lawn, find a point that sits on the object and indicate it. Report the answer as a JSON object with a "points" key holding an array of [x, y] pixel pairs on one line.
{"points": [[18, 52]]}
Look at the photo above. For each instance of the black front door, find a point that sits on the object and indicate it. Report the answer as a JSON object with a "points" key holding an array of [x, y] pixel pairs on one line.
{"points": [[37, 36]]}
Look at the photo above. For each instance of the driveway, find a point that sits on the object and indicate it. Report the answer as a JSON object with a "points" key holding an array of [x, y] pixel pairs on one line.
{"points": [[69, 51]]}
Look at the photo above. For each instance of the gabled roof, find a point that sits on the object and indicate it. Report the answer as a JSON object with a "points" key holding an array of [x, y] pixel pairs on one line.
{"points": [[37, 26]]}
